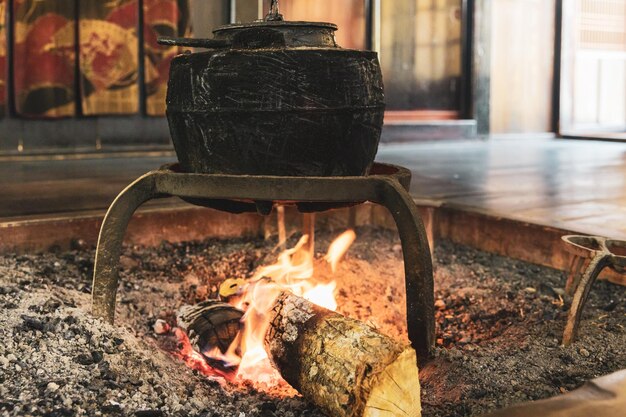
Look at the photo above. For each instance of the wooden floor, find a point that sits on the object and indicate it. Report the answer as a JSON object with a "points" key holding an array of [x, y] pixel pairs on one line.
{"points": [[570, 184]]}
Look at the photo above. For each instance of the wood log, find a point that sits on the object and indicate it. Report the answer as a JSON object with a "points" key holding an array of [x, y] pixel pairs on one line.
{"points": [[212, 325], [341, 365]]}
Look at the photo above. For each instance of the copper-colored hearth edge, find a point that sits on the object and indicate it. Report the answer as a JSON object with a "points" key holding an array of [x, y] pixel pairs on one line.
{"points": [[509, 237]]}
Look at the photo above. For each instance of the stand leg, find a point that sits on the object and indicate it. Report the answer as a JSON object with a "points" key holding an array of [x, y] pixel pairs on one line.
{"points": [[106, 274], [418, 269], [597, 264], [575, 272]]}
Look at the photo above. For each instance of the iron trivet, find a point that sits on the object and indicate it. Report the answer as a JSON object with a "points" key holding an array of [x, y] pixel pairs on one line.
{"points": [[591, 255], [387, 185]]}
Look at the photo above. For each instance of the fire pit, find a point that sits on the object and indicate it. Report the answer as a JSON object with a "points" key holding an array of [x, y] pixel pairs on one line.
{"points": [[492, 314]]}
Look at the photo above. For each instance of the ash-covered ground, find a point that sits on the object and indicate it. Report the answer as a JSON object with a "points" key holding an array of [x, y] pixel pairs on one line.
{"points": [[499, 326]]}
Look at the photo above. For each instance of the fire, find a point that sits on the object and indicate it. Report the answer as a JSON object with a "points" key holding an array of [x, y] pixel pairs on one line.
{"points": [[323, 295], [339, 247], [292, 271]]}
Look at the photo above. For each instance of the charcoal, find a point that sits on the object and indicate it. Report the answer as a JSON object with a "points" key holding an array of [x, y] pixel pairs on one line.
{"points": [[149, 413], [84, 359], [7, 405], [59, 412], [33, 323], [96, 356], [51, 305], [111, 409], [7, 290]]}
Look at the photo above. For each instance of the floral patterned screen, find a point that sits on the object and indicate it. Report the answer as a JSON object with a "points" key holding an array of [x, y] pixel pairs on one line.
{"points": [[3, 58], [109, 56], [88, 57], [161, 18], [44, 58]]}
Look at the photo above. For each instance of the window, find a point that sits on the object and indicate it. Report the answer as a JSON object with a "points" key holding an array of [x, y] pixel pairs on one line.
{"points": [[593, 77]]}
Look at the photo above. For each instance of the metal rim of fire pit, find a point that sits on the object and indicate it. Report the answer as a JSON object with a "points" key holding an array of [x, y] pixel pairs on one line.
{"points": [[387, 185]]}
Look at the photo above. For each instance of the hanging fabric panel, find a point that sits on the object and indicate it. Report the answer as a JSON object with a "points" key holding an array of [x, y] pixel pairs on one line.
{"points": [[161, 18], [109, 56], [44, 58], [3, 58]]}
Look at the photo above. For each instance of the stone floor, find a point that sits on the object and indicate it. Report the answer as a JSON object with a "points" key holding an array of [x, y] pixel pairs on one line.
{"points": [[570, 184]]}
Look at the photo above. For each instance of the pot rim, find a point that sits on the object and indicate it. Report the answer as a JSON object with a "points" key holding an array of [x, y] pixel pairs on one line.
{"points": [[275, 24]]}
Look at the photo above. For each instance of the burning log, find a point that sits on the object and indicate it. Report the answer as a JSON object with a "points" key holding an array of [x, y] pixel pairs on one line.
{"points": [[212, 326], [339, 364]]}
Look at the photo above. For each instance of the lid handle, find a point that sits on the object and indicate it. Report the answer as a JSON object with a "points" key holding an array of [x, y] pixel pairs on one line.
{"points": [[194, 43], [274, 13]]}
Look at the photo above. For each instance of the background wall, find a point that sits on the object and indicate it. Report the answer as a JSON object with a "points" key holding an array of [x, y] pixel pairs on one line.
{"points": [[99, 105], [420, 53], [522, 53], [349, 15]]}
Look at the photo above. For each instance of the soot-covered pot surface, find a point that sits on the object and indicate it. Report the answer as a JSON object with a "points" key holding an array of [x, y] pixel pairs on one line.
{"points": [[274, 97]]}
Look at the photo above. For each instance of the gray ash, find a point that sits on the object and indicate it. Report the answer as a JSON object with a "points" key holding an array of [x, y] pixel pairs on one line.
{"points": [[499, 324]]}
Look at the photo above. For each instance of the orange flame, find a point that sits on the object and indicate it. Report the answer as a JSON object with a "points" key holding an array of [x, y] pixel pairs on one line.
{"points": [[292, 271], [339, 247]]}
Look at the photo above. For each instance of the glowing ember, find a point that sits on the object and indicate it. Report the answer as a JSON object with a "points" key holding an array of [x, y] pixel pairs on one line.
{"points": [[194, 359], [292, 271]]}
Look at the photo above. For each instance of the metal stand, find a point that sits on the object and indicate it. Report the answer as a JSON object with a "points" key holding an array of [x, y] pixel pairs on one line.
{"points": [[387, 185], [591, 255]]}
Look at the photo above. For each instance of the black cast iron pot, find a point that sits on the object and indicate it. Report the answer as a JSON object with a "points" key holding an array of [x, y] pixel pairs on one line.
{"points": [[275, 97]]}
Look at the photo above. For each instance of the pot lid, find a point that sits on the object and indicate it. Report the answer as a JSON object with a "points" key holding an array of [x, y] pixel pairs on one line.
{"points": [[272, 31], [274, 19], [287, 33]]}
